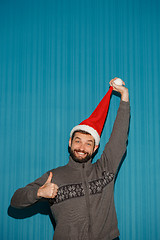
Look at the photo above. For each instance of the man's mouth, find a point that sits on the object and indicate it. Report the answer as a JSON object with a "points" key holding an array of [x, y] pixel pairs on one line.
{"points": [[80, 154]]}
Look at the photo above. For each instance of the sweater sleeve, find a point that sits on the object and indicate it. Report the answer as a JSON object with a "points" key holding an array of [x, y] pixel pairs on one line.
{"points": [[27, 195], [116, 146]]}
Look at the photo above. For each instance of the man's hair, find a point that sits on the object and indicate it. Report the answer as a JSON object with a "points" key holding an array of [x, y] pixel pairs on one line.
{"points": [[81, 131]]}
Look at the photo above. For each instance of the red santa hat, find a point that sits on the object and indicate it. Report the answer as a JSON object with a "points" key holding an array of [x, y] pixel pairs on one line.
{"points": [[95, 123]]}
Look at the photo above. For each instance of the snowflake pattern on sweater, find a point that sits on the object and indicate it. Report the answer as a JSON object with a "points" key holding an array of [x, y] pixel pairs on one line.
{"points": [[76, 190]]}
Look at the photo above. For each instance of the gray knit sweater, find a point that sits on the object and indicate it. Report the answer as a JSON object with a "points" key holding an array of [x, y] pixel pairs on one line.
{"points": [[84, 206]]}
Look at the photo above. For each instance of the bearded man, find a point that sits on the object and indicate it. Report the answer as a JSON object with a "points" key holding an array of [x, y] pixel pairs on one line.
{"points": [[81, 193]]}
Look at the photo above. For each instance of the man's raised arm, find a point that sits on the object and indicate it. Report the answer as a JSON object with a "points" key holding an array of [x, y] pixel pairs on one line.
{"points": [[116, 146]]}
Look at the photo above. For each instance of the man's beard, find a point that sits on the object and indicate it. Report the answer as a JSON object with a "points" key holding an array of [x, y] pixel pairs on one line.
{"points": [[80, 160]]}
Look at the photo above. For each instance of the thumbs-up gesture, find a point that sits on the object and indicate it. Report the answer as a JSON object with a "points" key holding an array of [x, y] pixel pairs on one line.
{"points": [[49, 189]]}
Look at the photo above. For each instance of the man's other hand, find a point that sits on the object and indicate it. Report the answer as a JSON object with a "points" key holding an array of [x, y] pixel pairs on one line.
{"points": [[49, 189], [121, 89]]}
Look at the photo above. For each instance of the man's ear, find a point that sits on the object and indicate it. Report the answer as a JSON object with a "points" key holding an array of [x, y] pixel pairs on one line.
{"points": [[95, 148], [70, 141]]}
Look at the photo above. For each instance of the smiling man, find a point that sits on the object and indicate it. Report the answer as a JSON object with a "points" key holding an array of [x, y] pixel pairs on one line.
{"points": [[82, 146], [81, 193]]}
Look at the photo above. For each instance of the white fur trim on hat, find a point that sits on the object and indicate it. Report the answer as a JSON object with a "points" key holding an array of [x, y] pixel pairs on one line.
{"points": [[88, 129]]}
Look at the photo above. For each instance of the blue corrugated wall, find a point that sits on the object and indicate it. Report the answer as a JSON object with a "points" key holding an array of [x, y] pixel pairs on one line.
{"points": [[56, 59]]}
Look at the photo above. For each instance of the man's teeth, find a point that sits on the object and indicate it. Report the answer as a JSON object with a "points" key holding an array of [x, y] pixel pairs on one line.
{"points": [[81, 153]]}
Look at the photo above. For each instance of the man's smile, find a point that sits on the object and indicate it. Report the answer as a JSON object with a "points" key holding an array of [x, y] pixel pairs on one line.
{"points": [[80, 154]]}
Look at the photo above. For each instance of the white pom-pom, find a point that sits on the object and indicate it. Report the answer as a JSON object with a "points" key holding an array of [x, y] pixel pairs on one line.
{"points": [[118, 81]]}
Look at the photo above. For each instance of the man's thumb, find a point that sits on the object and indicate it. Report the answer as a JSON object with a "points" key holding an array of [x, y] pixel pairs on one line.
{"points": [[49, 178]]}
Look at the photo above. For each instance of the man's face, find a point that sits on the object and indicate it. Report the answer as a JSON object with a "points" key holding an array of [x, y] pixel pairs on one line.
{"points": [[82, 147]]}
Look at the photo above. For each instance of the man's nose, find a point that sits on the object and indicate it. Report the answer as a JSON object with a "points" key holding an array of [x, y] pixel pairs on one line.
{"points": [[82, 147]]}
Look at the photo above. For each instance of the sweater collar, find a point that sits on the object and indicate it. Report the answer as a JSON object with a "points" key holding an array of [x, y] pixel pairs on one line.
{"points": [[78, 165]]}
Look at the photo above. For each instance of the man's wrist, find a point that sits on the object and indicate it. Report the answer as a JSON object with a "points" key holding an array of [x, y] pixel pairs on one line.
{"points": [[39, 193], [125, 96]]}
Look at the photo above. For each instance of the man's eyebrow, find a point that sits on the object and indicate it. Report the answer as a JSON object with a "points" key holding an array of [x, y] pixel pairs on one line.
{"points": [[90, 140], [77, 137]]}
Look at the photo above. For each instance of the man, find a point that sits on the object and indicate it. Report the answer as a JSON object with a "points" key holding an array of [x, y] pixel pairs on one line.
{"points": [[81, 194]]}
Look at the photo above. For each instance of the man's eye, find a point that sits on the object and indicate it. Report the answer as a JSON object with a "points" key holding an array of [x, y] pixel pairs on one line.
{"points": [[88, 144]]}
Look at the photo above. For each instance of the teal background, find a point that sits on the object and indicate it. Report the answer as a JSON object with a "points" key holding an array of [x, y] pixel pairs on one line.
{"points": [[56, 59]]}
